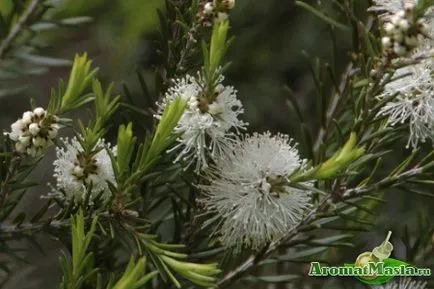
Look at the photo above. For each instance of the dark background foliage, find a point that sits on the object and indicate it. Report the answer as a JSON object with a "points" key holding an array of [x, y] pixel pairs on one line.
{"points": [[266, 56]]}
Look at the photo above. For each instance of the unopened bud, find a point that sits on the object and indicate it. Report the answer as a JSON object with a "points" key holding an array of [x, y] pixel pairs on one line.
{"points": [[386, 42], [389, 27], [39, 141], [27, 117], [20, 147], [39, 111], [208, 8], [34, 129], [25, 140]]}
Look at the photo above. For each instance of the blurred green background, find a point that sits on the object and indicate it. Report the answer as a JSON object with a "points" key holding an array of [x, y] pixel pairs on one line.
{"points": [[266, 55]]}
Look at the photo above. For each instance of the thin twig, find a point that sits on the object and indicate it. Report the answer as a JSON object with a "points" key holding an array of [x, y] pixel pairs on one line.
{"points": [[332, 109], [15, 163], [18, 27], [31, 228], [337, 99]]}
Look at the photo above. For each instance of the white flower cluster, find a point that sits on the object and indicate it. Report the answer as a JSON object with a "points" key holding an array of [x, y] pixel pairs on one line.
{"points": [[413, 85], [390, 7], [402, 33], [405, 283], [414, 102], [217, 10], [77, 174], [249, 195], [206, 124], [34, 132]]}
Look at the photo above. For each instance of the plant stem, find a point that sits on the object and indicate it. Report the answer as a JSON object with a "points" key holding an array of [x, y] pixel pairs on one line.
{"points": [[15, 163], [337, 99], [28, 228], [18, 27], [332, 108]]}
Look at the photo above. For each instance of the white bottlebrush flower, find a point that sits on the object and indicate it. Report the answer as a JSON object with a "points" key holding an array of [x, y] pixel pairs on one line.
{"points": [[207, 127], [414, 102], [405, 283], [34, 132], [388, 7], [76, 174], [404, 33], [248, 195]]}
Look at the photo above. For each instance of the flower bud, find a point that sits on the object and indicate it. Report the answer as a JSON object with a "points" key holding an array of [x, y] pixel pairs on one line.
{"points": [[78, 171], [208, 8], [25, 140], [222, 16], [389, 27], [228, 4], [403, 24], [40, 142], [31, 151], [386, 41], [16, 130], [34, 129], [408, 6], [39, 112], [27, 117], [401, 14], [53, 130], [395, 19], [20, 147], [423, 27], [18, 125]]}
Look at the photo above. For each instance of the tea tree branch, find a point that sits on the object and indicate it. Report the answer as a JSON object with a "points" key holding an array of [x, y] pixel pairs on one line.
{"points": [[18, 27]]}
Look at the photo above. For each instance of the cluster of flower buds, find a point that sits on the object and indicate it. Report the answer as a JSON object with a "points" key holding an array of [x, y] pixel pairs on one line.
{"points": [[216, 10], [403, 32], [34, 132]]}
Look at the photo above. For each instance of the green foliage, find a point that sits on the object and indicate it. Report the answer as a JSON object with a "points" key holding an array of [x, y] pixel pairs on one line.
{"points": [[213, 55], [321, 15], [22, 26], [125, 148], [167, 260], [155, 213], [151, 151], [179, 33], [72, 96], [134, 276], [80, 269], [339, 161], [105, 107]]}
